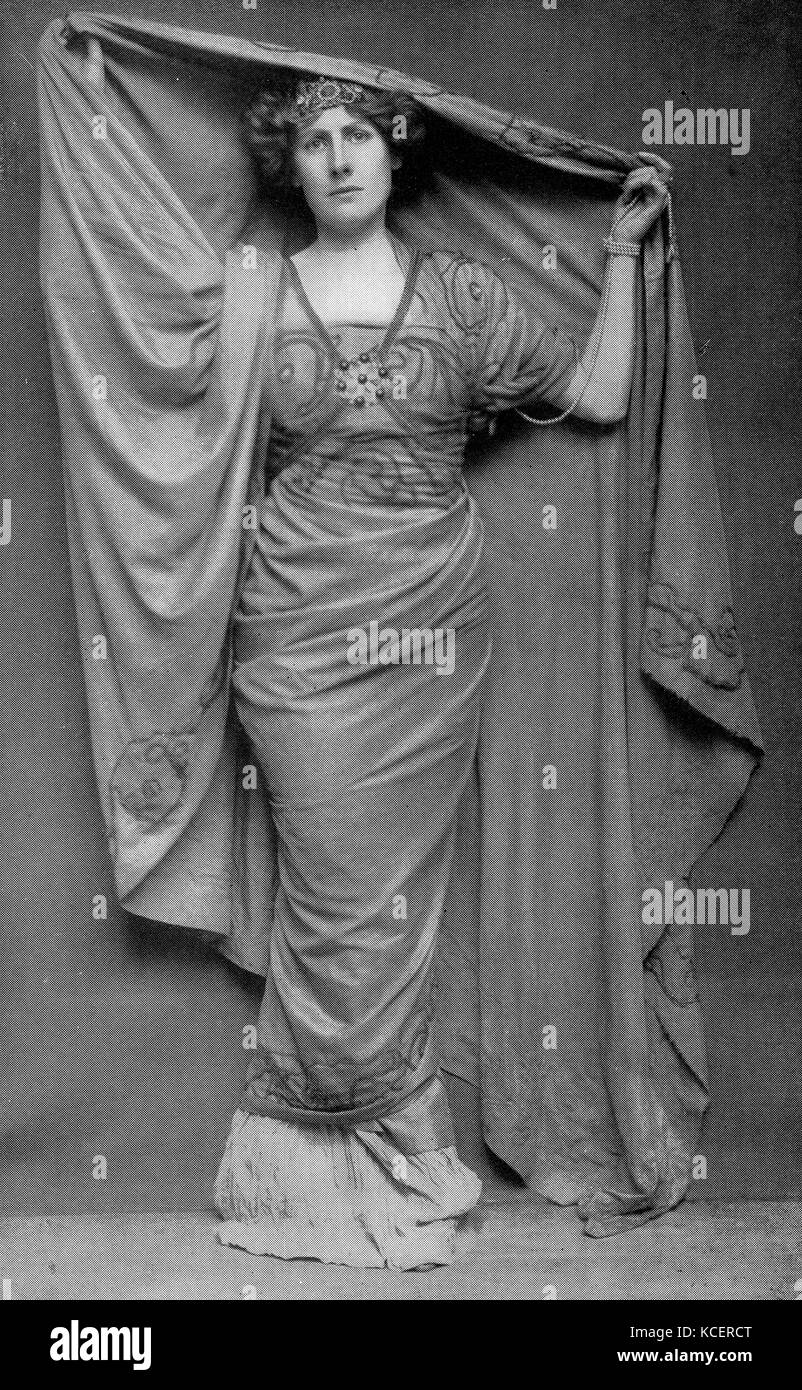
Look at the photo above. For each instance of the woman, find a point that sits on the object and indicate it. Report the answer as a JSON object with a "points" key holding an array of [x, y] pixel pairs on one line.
{"points": [[366, 568]]}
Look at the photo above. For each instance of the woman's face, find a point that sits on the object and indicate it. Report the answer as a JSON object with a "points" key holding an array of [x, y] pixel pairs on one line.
{"points": [[344, 169]]}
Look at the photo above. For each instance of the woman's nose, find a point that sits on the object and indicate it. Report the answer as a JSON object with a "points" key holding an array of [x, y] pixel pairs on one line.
{"points": [[338, 158]]}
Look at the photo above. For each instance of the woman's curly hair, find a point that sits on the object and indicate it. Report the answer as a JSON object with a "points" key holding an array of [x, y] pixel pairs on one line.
{"points": [[271, 120]]}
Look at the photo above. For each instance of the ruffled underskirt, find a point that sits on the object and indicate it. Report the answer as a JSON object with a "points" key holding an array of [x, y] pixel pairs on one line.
{"points": [[338, 1195]]}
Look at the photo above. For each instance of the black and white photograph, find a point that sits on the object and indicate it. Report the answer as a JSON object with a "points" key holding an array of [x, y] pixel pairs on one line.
{"points": [[401, 530]]}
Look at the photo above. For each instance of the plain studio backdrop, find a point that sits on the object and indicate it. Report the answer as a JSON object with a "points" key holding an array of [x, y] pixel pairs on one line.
{"points": [[127, 1042]]}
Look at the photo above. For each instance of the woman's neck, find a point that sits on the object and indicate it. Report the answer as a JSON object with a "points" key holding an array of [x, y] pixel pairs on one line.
{"points": [[359, 280], [348, 254]]}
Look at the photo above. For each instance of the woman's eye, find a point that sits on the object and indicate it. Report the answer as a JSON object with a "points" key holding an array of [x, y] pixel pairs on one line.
{"points": [[313, 144], [360, 135]]}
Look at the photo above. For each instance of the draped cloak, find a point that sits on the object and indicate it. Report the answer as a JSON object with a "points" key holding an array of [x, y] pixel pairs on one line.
{"points": [[577, 1019]]}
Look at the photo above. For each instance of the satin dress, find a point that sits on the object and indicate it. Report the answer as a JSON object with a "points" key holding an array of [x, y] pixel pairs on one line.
{"points": [[361, 643]]}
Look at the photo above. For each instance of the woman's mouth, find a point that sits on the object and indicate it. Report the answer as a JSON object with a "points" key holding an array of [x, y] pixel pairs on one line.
{"points": [[340, 192]]}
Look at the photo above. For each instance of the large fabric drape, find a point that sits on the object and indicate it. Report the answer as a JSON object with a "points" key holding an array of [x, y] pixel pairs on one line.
{"points": [[579, 1023]]}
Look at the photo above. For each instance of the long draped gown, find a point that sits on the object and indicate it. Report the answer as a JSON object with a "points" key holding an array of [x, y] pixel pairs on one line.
{"points": [[361, 642]]}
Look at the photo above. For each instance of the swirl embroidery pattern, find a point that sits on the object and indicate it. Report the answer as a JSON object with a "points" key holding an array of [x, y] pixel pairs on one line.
{"points": [[363, 419], [149, 778], [337, 1086], [672, 627]]}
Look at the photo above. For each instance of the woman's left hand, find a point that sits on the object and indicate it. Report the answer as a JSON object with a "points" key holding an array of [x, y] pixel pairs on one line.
{"points": [[646, 189]]}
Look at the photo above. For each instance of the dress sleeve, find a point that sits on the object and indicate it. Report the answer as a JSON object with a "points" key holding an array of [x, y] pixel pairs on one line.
{"points": [[519, 357]]}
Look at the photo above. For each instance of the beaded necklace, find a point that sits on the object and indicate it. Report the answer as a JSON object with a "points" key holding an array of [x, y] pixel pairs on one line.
{"points": [[362, 380]]}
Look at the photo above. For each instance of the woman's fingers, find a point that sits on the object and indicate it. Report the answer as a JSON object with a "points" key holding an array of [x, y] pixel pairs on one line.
{"points": [[657, 161], [637, 182], [93, 64], [639, 178], [644, 194], [646, 183]]}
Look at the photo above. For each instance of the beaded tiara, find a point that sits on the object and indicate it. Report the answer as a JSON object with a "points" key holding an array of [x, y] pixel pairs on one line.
{"points": [[324, 92]]}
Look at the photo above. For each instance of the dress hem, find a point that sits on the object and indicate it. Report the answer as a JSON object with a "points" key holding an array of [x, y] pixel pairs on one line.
{"points": [[340, 1196]]}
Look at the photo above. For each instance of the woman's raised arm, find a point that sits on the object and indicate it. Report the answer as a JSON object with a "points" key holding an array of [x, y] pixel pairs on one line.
{"points": [[599, 389]]}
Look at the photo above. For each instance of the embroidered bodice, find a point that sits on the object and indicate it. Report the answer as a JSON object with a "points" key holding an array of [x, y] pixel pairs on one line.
{"points": [[365, 415]]}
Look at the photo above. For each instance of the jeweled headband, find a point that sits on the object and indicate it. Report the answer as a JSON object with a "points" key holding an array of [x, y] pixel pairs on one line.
{"points": [[325, 92]]}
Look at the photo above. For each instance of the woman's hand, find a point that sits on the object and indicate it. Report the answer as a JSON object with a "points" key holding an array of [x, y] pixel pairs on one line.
{"points": [[643, 198]]}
